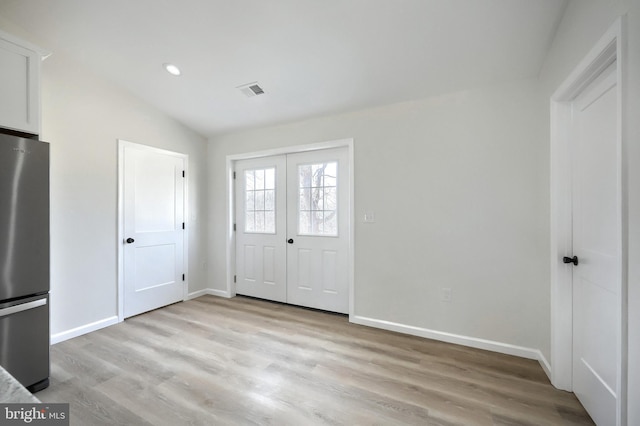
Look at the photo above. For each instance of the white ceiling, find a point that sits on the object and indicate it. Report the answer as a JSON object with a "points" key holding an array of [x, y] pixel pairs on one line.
{"points": [[312, 57]]}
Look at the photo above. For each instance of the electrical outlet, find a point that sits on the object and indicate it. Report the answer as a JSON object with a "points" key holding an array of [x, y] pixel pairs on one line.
{"points": [[446, 294], [369, 217]]}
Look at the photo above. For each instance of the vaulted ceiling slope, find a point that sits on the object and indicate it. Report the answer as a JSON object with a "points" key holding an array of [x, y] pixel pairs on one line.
{"points": [[311, 57]]}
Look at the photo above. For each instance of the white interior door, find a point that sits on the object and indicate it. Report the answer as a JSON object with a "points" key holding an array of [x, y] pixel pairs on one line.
{"points": [[597, 245], [292, 228], [318, 230], [153, 228], [261, 228]]}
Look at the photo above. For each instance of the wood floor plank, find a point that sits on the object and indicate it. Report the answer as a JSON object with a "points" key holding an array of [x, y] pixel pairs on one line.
{"points": [[243, 361]]}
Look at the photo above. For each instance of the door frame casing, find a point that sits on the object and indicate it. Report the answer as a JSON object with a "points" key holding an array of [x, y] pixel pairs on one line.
{"points": [[122, 144], [348, 143], [609, 49]]}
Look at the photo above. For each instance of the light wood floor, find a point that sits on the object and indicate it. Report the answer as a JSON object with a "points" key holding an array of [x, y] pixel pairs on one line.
{"points": [[214, 361]]}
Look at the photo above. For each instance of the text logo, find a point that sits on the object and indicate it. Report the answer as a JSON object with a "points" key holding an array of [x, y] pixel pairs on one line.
{"points": [[34, 414]]}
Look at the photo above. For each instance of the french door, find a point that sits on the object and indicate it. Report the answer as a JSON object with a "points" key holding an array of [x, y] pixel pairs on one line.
{"points": [[292, 228], [261, 228]]}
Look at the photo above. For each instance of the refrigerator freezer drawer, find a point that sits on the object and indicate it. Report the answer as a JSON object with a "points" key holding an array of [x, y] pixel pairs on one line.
{"points": [[24, 339], [22, 307]]}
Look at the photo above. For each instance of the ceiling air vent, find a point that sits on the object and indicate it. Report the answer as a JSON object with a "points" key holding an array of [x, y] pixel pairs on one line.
{"points": [[251, 89]]}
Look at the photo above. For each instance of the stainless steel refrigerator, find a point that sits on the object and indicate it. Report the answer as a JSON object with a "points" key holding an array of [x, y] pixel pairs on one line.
{"points": [[24, 260]]}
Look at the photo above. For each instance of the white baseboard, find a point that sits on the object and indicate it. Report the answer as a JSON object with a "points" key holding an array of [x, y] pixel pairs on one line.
{"points": [[84, 329], [544, 364], [197, 294], [209, 291], [219, 293], [473, 342]]}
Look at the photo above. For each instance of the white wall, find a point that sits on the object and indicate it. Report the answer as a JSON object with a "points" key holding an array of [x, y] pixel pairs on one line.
{"points": [[83, 116], [459, 187], [585, 21]]}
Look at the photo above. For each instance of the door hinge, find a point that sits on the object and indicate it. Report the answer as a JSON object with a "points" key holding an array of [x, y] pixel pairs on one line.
{"points": [[234, 175], [234, 278], [182, 277], [183, 173], [234, 226], [182, 225]]}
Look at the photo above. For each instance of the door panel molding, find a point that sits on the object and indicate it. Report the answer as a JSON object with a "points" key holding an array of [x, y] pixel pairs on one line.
{"points": [[230, 290], [122, 146], [607, 51]]}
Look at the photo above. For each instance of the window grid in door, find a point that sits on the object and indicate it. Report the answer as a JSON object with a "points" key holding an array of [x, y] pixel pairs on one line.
{"points": [[260, 196], [317, 199]]}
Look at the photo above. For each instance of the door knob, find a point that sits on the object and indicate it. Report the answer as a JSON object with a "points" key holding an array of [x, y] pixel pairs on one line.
{"points": [[573, 260], [129, 240], [290, 240]]}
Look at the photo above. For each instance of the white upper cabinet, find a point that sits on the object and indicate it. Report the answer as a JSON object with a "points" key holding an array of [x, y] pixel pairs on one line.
{"points": [[19, 85]]}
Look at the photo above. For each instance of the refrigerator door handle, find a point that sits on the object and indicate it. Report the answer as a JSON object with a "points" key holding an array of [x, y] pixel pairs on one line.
{"points": [[22, 307]]}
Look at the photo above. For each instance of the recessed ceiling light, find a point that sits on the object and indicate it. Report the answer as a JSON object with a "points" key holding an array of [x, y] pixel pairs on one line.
{"points": [[172, 69]]}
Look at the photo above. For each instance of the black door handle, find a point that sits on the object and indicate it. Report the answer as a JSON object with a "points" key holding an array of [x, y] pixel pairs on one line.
{"points": [[573, 260], [290, 240], [129, 240]]}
